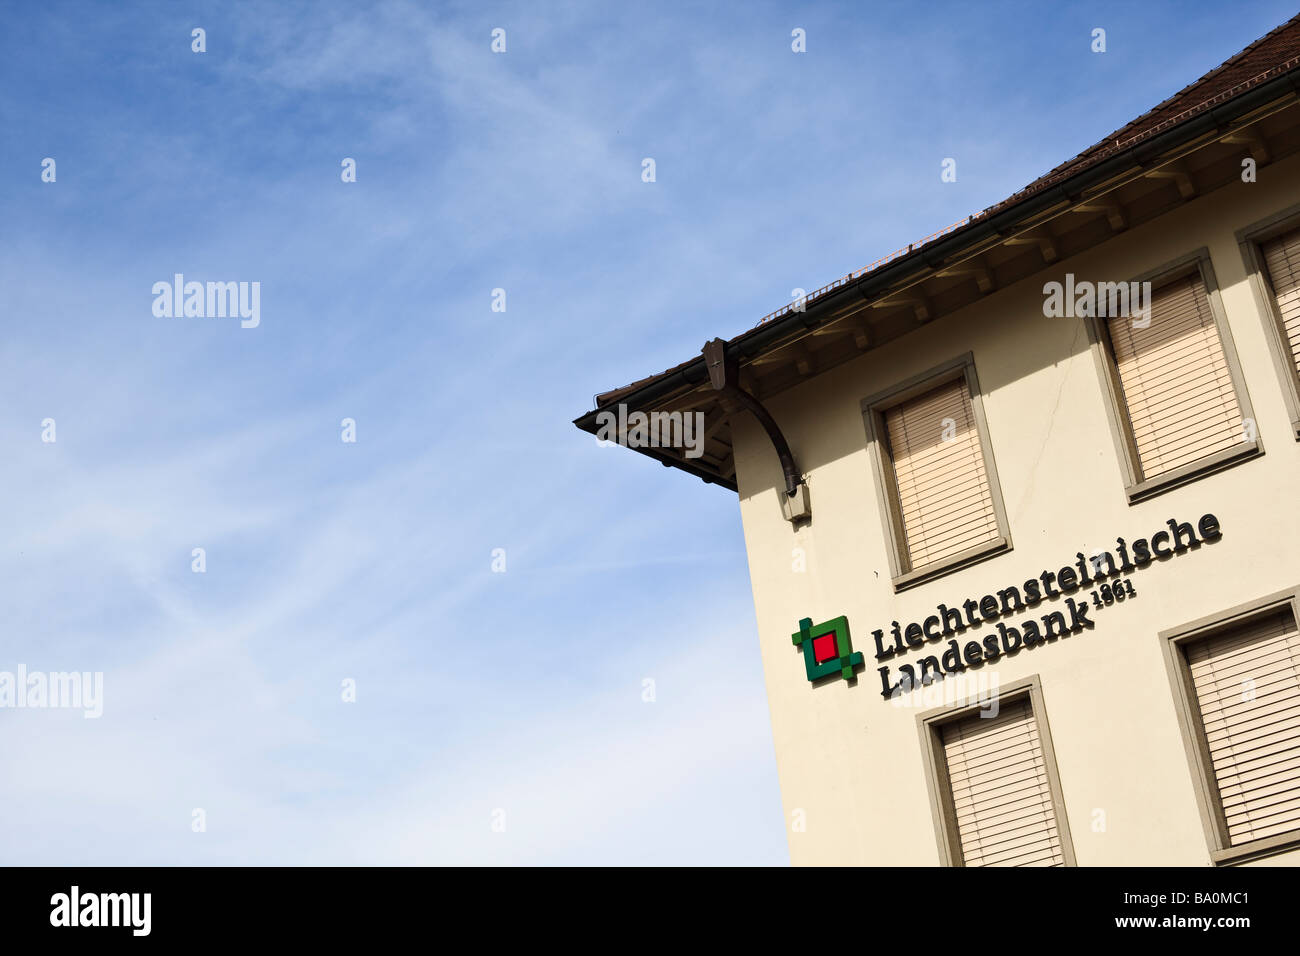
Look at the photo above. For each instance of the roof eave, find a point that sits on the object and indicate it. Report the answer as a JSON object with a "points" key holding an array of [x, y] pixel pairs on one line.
{"points": [[996, 225]]}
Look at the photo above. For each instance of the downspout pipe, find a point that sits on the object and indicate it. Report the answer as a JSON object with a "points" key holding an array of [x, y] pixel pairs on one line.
{"points": [[724, 376]]}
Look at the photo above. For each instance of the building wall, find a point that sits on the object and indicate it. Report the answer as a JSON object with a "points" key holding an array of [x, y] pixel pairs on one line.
{"points": [[850, 762]]}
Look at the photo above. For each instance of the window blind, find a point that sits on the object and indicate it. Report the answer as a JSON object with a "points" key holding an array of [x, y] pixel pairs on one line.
{"points": [[1001, 797], [944, 499], [1282, 260], [1247, 684], [1177, 390]]}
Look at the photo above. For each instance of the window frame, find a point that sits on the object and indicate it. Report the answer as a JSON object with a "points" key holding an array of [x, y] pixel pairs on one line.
{"points": [[1174, 642], [874, 407], [1249, 241], [1137, 488], [930, 725]]}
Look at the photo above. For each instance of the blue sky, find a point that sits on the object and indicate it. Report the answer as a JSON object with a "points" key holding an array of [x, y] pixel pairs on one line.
{"points": [[477, 691]]}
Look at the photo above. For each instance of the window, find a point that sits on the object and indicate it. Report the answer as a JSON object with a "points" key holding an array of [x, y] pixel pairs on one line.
{"points": [[1238, 682], [1282, 260], [1178, 407], [1271, 250], [994, 789], [939, 489]]}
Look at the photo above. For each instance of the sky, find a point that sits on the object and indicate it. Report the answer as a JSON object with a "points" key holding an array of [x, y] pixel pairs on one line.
{"points": [[472, 635]]}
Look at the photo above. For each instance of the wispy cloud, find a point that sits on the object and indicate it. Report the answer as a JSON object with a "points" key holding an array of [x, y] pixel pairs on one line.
{"points": [[329, 561]]}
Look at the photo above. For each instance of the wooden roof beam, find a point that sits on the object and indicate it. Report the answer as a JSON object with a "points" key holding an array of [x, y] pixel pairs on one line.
{"points": [[1041, 237], [920, 304], [1254, 142], [1178, 173], [803, 361], [862, 334], [714, 420], [852, 320], [982, 274], [1113, 210]]}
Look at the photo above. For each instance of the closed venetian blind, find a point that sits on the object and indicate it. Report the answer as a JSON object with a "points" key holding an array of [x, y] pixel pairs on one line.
{"points": [[1248, 689], [1282, 259], [1177, 390], [1001, 797], [943, 488]]}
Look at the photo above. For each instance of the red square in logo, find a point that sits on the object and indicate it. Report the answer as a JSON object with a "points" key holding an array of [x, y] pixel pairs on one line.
{"points": [[824, 648]]}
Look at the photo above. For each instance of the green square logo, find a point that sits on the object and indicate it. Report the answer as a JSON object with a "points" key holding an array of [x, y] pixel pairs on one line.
{"points": [[827, 648]]}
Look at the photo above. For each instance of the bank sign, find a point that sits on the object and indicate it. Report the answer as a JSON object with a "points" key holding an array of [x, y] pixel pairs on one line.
{"points": [[1084, 589]]}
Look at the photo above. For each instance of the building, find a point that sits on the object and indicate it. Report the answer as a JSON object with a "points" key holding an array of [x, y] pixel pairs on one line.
{"points": [[1022, 508]]}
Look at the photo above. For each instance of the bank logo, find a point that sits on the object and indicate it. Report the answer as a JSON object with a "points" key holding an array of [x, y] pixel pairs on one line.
{"points": [[827, 648]]}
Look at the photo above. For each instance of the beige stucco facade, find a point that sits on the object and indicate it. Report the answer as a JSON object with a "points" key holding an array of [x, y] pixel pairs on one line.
{"points": [[853, 775]]}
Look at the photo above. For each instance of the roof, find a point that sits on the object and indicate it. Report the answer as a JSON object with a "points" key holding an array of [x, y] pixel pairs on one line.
{"points": [[1274, 55]]}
